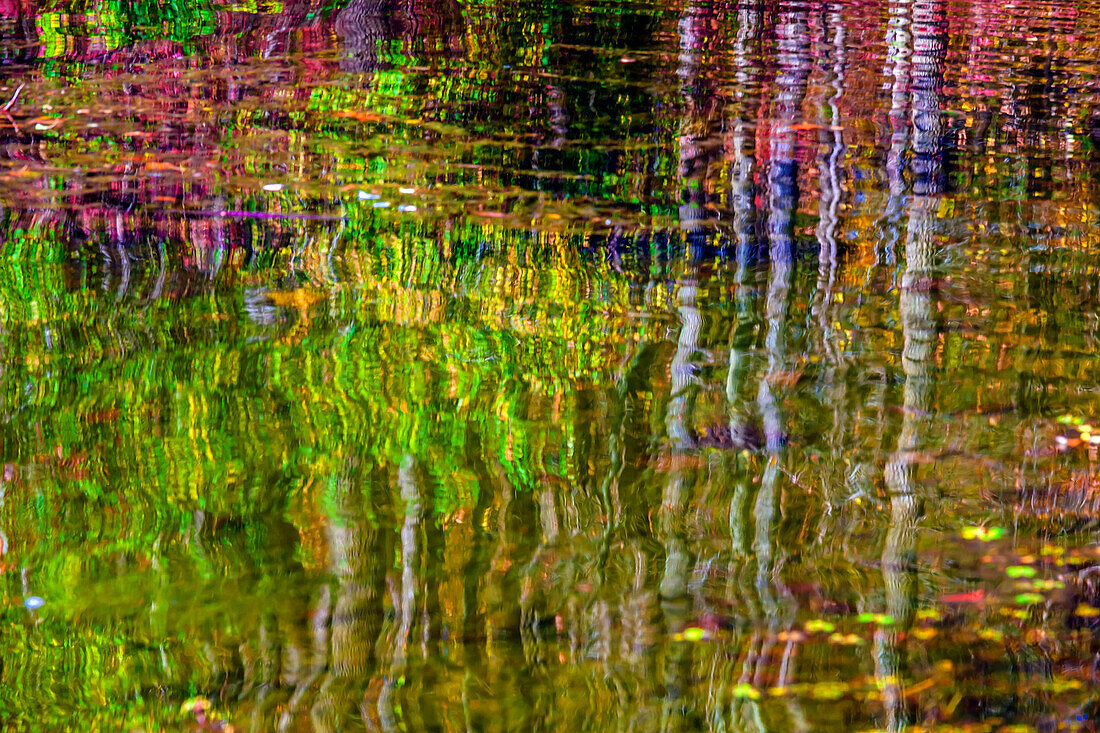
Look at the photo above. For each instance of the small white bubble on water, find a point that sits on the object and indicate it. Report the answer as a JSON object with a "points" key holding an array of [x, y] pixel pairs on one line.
{"points": [[273, 187], [364, 196], [380, 204], [406, 207], [407, 190], [32, 603]]}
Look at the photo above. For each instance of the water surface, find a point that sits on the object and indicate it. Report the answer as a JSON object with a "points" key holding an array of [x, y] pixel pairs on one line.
{"points": [[460, 365]]}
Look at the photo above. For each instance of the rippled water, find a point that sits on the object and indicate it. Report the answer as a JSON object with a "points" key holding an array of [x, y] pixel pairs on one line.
{"points": [[461, 365]]}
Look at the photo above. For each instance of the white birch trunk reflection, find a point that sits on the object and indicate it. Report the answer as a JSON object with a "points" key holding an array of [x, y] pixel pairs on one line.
{"points": [[409, 485], [918, 336]]}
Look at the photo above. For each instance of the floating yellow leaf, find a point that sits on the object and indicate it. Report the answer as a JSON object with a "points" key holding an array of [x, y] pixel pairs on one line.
{"points": [[746, 691]]}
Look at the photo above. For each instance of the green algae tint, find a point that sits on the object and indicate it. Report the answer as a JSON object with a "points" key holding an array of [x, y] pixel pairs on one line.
{"points": [[549, 366]]}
